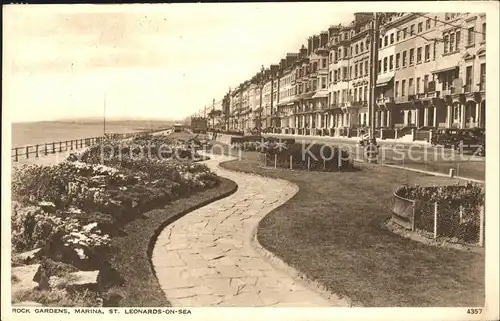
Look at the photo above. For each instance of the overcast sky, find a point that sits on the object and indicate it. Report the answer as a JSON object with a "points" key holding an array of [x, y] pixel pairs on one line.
{"points": [[152, 61]]}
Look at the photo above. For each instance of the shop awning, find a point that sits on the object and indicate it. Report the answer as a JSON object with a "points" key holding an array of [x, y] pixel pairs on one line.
{"points": [[320, 94], [306, 96], [437, 71], [384, 80]]}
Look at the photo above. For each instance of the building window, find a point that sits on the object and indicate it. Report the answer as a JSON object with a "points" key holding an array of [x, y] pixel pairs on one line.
{"points": [[427, 52], [398, 35], [484, 31], [366, 68], [452, 42], [426, 83], [418, 85], [391, 62], [356, 50], [435, 21], [470, 36], [405, 31], [323, 82], [323, 63], [397, 60], [379, 66], [361, 69], [428, 24], [404, 58], [396, 89], [356, 93], [392, 38], [350, 72], [386, 38], [420, 27], [356, 70], [419, 55], [410, 87], [457, 40], [385, 64], [412, 56], [468, 79], [412, 31], [403, 89], [482, 79], [445, 43]]}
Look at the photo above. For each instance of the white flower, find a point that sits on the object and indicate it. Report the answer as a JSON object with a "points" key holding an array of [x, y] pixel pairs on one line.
{"points": [[47, 204], [74, 210], [80, 254], [89, 227]]}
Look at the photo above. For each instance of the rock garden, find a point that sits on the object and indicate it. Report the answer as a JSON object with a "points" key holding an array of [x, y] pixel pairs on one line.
{"points": [[66, 216]]}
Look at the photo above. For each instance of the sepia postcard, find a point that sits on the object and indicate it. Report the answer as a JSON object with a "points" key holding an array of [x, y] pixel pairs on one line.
{"points": [[293, 160]]}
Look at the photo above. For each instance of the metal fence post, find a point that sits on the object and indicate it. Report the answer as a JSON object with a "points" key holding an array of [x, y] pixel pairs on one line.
{"points": [[481, 226], [71, 144], [53, 148], [435, 220], [291, 162], [27, 152], [60, 147], [16, 155], [414, 211], [45, 148], [36, 151]]}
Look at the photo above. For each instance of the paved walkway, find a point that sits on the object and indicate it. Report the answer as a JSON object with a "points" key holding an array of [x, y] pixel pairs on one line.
{"points": [[206, 258]]}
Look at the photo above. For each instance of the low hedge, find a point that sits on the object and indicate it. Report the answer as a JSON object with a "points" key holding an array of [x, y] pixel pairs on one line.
{"points": [[316, 157], [459, 209], [256, 138]]}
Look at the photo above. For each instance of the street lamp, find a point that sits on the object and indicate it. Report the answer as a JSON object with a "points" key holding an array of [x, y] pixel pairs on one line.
{"points": [[261, 85], [374, 35]]}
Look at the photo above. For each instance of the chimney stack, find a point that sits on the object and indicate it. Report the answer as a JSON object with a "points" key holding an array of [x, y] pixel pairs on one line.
{"points": [[315, 42], [309, 46], [323, 39], [303, 52]]}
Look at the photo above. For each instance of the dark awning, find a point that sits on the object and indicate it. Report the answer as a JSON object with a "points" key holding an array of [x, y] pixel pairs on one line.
{"points": [[384, 80], [444, 69]]}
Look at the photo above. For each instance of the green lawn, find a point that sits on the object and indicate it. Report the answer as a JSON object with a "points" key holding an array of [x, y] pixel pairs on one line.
{"points": [[332, 230]]}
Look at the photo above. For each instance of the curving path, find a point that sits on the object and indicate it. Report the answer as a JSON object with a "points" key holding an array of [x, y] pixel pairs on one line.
{"points": [[206, 258]]}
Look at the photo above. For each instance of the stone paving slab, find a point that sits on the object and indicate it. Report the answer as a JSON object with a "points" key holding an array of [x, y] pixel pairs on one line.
{"points": [[206, 258]]}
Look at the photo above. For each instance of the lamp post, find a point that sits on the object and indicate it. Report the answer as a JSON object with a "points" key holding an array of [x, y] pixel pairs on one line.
{"points": [[374, 45], [261, 86]]}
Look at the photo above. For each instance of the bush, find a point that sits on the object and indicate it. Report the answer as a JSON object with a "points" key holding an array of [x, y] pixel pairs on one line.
{"points": [[319, 157], [458, 209]]}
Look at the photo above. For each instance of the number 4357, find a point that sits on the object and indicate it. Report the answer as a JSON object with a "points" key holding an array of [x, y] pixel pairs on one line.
{"points": [[474, 311]]}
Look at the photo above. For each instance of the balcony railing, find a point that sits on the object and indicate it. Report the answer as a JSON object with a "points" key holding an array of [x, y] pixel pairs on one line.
{"points": [[385, 100], [359, 103]]}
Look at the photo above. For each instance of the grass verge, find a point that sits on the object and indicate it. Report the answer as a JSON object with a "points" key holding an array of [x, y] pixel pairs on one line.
{"points": [[131, 254], [331, 231]]}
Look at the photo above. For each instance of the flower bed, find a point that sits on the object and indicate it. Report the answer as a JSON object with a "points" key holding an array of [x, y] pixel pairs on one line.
{"points": [[458, 209], [143, 146], [315, 157], [73, 209]]}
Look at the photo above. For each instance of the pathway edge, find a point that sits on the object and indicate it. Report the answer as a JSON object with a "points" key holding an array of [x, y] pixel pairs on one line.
{"points": [[280, 265]]}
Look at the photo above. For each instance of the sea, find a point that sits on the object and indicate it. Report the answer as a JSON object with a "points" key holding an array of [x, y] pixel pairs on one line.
{"points": [[32, 133]]}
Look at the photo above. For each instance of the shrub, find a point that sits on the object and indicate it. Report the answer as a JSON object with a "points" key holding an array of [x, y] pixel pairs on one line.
{"points": [[458, 209], [319, 157]]}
